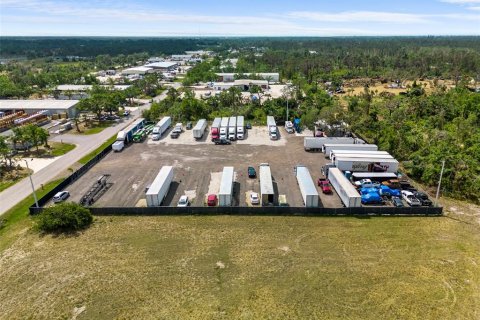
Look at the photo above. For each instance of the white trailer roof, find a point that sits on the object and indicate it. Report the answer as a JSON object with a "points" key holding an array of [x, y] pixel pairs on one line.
{"points": [[368, 155], [216, 122], [200, 124], [224, 122], [362, 175], [365, 159], [162, 121], [346, 185], [358, 145], [232, 121], [162, 175], [266, 183], [335, 152], [37, 104], [226, 185], [240, 121], [271, 121], [304, 178]]}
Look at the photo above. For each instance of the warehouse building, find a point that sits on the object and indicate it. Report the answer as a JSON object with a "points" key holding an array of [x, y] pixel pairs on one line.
{"points": [[139, 71], [243, 84], [33, 106], [230, 77], [163, 66]]}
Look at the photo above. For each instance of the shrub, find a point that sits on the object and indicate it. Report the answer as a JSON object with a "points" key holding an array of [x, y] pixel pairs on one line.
{"points": [[64, 217]]}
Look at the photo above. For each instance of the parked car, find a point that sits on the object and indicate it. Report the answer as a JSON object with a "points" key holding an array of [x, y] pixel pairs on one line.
{"points": [[367, 183], [189, 126], [324, 184], [397, 202], [423, 198], [222, 141], [183, 201], [392, 184], [174, 134], [254, 199], [410, 199], [251, 172], [126, 113], [61, 196], [249, 125], [212, 200]]}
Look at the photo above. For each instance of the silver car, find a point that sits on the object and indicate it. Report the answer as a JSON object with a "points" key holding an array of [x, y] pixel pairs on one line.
{"points": [[61, 196]]}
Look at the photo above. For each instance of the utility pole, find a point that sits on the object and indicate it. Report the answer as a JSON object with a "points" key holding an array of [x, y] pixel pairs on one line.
{"points": [[33, 188], [439, 183]]}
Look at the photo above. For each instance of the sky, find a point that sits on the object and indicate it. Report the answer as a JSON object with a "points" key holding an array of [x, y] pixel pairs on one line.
{"points": [[240, 18]]}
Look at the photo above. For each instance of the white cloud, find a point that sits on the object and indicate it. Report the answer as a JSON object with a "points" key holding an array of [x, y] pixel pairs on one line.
{"points": [[460, 1], [359, 16]]}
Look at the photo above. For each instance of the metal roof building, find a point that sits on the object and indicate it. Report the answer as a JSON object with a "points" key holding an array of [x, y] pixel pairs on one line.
{"points": [[32, 106], [138, 70], [163, 65]]}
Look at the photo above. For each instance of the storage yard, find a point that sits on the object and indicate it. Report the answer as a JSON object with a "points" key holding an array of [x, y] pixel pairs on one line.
{"points": [[288, 170]]}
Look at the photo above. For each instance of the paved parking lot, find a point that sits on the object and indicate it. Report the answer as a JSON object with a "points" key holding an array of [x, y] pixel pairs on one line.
{"points": [[198, 166]]}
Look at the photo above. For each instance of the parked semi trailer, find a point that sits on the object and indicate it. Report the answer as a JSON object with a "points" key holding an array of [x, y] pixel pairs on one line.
{"points": [[328, 147], [232, 128], [161, 127], [366, 164], [126, 135], [199, 129], [158, 190], [266, 185], [307, 187], [363, 156], [215, 129], [240, 128], [224, 128], [336, 152], [225, 195], [272, 128], [316, 144], [345, 190]]}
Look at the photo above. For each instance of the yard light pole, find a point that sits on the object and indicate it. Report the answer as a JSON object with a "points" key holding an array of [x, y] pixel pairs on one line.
{"points": [[439, 183], [33, 188]]}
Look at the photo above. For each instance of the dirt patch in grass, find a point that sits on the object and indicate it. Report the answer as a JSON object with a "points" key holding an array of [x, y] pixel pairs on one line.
{"points": [[247, 267]]}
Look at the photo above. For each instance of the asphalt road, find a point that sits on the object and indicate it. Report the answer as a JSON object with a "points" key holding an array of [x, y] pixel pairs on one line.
{"points": [[85, 145]]}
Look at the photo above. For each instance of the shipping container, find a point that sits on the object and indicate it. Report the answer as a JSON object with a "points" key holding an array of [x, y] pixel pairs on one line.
{"points": [[267, 193], [225, 195], [199, 129], [307, 187], [158, 190], [366, 164], [345, 190]]}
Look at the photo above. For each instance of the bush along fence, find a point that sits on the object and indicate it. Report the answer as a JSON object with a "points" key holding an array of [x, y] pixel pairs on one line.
{"points": [[263, 211]]}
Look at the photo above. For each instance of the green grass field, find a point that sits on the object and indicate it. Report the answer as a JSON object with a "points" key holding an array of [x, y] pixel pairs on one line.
{"points": [[59, 149], [229, 267]]}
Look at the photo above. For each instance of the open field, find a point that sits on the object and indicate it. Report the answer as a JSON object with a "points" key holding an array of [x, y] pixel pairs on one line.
{"points": [[428, 85], [228, 267]]}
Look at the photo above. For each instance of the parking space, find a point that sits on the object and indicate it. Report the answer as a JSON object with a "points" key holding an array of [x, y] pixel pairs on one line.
{"points": [[198, 166]]}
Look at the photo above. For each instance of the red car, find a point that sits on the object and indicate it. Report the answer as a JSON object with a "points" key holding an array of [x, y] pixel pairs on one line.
{"points": [[324, 184], [212, 200]]}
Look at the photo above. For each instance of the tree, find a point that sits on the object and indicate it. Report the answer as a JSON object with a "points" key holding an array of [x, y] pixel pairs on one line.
{"points": [[63, 218], [5, 152]]}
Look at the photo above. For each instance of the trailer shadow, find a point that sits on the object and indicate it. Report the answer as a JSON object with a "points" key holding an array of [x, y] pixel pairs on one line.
{"points": [[171, 194]]}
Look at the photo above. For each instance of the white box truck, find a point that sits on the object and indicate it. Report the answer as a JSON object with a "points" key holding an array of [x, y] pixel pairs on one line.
{"points": [[327, 147], [272, 128], [161, 127], [118, 146], [366, 164], [336, 152], [199, 129], [158, 190], [363, 156], [267, 192], [225, 195], [345, 190], [307, 187], [240, 128], [232, 128], [224, 128], [316, 144]]}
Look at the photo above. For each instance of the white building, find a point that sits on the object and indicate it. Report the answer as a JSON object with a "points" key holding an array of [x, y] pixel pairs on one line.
{"points": [[33, 106], [271, 77], [243, 84], [138, 71], [163, 66]]}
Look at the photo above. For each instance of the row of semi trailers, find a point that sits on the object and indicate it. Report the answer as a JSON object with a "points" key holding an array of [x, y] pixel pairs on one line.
{"points": [[158, 190]]}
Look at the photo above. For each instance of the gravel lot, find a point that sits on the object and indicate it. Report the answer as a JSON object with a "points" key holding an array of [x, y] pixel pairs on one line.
{"points": [[198, 166]]}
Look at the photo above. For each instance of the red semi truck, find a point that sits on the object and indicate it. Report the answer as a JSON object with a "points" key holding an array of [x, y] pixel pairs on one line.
{"points": [[215, 129]]}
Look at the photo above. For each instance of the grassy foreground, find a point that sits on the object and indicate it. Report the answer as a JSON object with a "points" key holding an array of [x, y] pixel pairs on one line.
{"points": [[247, 267]]}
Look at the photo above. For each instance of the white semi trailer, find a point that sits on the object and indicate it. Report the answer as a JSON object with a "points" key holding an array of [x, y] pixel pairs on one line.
{"points": [[158, 190], [345, 190], [224, 128], [267, 193], [161, 127], [272, 128], [240, 128], [225, 195], [363, 156], [316, 144], [327, 147], [336, 152], [199, 129], [307, 187], [366, 164], [232, 128]]}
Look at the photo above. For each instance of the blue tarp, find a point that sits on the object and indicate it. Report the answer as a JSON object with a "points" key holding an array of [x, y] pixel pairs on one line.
{"points": [[371, 198], [386, 191], [368, 190]]}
